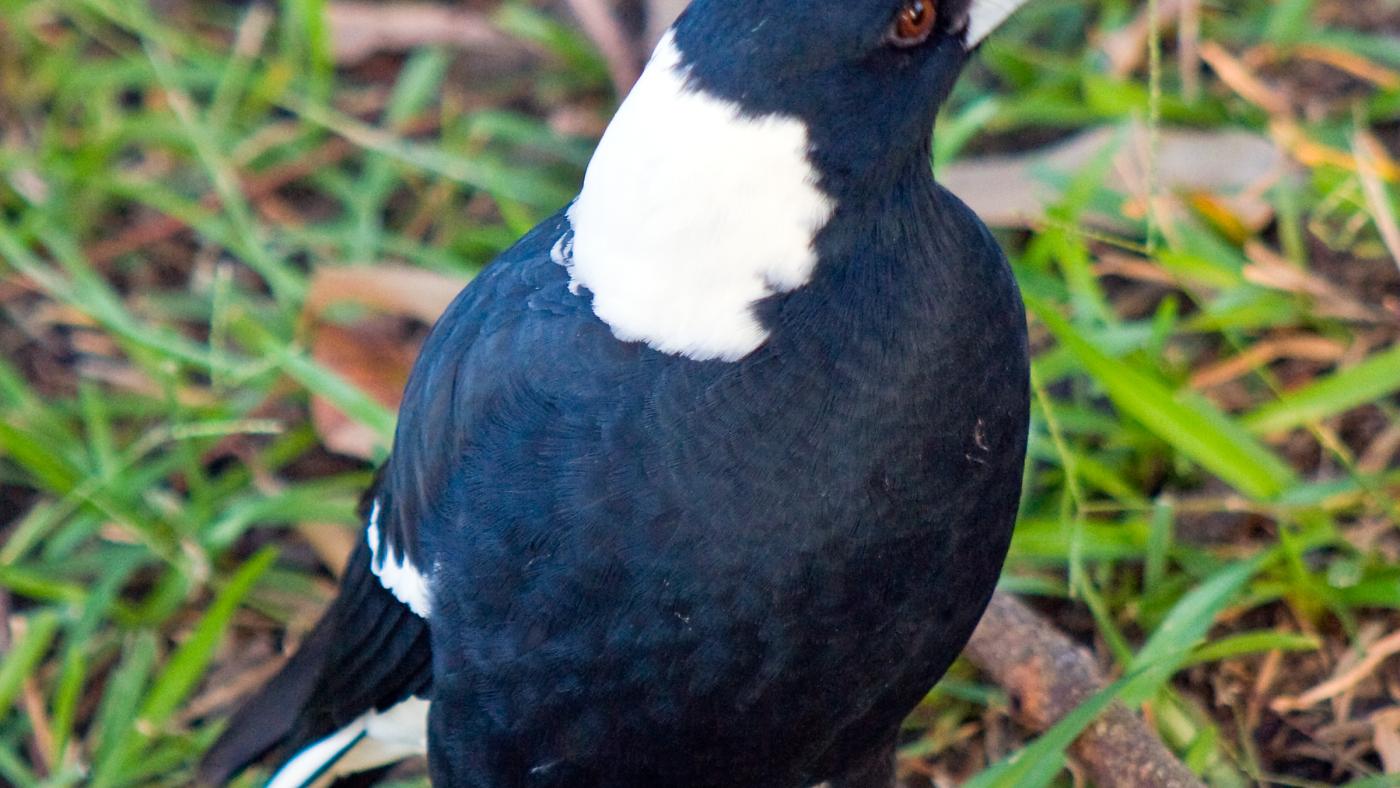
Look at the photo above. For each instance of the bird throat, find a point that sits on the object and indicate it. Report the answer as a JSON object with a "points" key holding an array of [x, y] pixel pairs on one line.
{"points": [[691, 212]]}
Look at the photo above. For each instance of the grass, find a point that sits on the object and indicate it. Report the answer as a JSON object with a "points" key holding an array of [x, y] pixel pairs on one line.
{"points": [[170, 182]]}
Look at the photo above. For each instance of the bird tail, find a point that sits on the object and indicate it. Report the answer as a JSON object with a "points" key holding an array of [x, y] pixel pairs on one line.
{"points": [[268, 721], [350, 699], [271, 721]]}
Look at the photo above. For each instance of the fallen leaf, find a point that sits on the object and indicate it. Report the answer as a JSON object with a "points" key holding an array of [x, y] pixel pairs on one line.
{"points": [[1232, 166], [1351, 63], [389, 289], [374, 353], [365, 356], [332, 543]]}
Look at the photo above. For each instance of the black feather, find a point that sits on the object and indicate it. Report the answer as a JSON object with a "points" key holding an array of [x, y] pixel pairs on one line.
{"points": [[367, 653], [263, 724]]}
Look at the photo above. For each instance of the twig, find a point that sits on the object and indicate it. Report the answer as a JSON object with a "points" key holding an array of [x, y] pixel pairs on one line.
{"points": [[1048, 676], [1243, 82], [1154, 120], [1379, 652], [598, 21], [41, 745], [5, 637]]}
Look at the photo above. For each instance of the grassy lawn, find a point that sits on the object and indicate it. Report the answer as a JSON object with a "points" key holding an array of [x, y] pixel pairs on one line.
{"points": [[224, 228]]}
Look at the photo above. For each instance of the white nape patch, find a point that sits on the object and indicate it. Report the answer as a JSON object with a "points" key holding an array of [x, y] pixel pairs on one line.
{"points": [[395, 573], [374, 739], [690, 213], [986, 16]]}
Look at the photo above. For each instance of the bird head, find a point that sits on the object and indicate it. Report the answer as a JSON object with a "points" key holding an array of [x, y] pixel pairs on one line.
{"points": [[866, 77]]}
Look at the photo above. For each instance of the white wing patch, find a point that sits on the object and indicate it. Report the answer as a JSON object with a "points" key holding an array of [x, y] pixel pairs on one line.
{"points": [[316, 761], [395, 572], [691, 212], [372, 740]]}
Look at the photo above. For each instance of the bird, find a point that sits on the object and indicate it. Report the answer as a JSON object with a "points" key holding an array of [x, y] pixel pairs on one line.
{"points": [[707, 480]]}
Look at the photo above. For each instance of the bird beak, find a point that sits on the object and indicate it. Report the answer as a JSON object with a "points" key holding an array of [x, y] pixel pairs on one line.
{"points": [[986, 16]]}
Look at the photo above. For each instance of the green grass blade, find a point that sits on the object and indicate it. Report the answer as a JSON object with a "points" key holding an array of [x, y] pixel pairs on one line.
{"points": [[1252, 643], [187, 665], [1371, 380], [525, 187], [1189, 620], [25, 655], [118, 709], [1187, 422]]}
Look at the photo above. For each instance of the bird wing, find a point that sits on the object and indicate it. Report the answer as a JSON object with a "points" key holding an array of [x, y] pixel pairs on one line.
{"points": [[353, 696]]}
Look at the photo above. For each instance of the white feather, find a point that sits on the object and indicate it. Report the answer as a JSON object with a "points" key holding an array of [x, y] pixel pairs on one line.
{"points": [[396, 573], [690, 213], [372, 740], [315, 761]]}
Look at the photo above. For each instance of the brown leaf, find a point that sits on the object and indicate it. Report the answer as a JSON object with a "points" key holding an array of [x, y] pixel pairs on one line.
{"points": [[389, 289], [375, 353], [1268, 268], [332, 542], [1232, 166], [366, 355], [1371, 158]]}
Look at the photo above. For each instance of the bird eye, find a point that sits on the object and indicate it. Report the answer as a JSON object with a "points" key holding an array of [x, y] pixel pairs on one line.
{"points": [[914, 23]]}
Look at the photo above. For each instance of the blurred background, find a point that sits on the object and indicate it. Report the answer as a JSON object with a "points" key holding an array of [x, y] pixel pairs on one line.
{"points": [[225, 228]]}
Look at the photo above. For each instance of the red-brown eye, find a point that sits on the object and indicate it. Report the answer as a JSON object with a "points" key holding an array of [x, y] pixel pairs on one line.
{"points": [[914, 23]]}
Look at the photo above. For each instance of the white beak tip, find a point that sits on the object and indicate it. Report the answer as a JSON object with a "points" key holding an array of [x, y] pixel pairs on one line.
{"points": [[986, 16]]}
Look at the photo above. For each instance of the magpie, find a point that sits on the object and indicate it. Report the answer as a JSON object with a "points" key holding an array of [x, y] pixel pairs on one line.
{"points": [[708, 479]]}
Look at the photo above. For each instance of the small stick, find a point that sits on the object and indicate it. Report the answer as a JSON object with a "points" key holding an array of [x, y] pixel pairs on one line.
{"points": [[1047, 676], [598, 21], [1379, 652]]}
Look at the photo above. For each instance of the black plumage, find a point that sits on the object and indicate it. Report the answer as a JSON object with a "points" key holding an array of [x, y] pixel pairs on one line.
{"points": [[647, 569]]}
